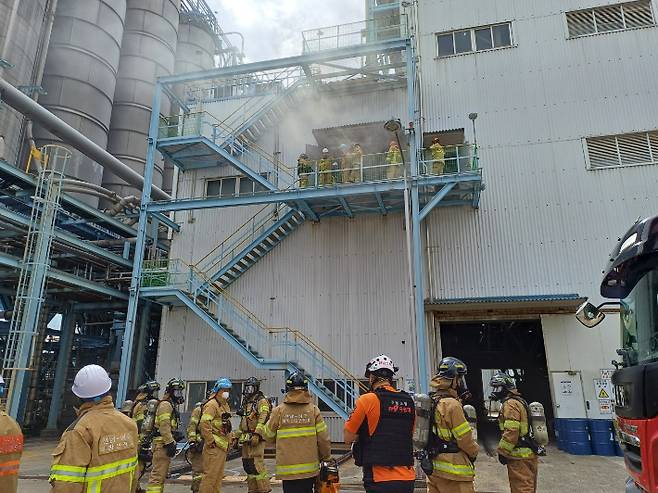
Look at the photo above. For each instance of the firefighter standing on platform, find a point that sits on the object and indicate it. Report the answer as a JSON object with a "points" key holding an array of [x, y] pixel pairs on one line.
{"points": [[393, 161], [325, 174], [166, 434], [513, 452], [452, 445], [304, 170], [11, 448], [145, 393], [438, 157], [301, 435], [383, 423], [98, 451], [196, 445], [255, 412], [217, 436]]}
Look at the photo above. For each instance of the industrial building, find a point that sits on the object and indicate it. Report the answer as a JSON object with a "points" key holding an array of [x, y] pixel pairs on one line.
{"points": [[244, 263]]}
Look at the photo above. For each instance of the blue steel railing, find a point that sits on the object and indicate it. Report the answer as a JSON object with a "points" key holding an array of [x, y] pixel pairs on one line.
{"points": [[265, 344], [380, 28], [227, 250]]}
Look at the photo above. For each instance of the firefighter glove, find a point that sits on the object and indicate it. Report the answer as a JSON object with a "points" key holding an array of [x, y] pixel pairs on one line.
{"points": [[502, 459], [170, 449], [255, 440]]}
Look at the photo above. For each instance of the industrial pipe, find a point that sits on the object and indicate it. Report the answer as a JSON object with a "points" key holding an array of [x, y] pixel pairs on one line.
{"points": [[25, 105]]}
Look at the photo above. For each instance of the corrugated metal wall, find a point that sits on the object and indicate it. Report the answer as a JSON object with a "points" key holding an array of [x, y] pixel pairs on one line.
{"points": [[546, 224]]}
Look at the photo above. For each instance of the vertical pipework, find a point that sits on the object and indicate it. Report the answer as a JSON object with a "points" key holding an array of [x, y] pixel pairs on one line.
{"points": [[80, 76], [148, 52]]}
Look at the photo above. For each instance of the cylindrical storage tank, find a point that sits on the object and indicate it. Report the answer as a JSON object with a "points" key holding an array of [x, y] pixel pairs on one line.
{"points": [[80, 76], [148, 52], [577, 433], [602, 436], [197, 45], [21, 52]]}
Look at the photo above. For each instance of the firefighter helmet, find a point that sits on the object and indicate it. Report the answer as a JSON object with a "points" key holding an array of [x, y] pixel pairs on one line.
{"points": [[450, 368], [251, 386], [501, 384], [381, 366], [91, 381], [222, 383], [175, 388], [296, 380]]}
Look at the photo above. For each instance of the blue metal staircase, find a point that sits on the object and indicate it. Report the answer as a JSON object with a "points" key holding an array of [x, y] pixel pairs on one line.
{"points": [[277, 349], [249, 243]]}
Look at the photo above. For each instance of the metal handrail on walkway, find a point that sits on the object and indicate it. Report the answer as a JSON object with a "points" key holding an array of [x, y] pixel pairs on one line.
{"points": [[355, 33]]}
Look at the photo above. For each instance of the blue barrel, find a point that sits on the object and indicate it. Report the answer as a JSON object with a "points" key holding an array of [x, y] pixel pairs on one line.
{"points": [[577, 431], [602, 437]]}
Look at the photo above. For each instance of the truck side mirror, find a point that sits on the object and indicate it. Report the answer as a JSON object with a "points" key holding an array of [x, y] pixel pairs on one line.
{"points": [[589, 315]]}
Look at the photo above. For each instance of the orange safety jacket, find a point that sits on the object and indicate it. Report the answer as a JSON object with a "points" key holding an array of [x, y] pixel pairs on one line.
{"points": [[11, 448]]}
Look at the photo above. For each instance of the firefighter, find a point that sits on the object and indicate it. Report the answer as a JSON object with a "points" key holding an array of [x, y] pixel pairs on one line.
{"points": [[393, 161], [304, 170], [98, 451], [165, 434], [325, 174], [215, 426], [452, 447], [11, 448], [255, 412], [513, 452], [383, 423], [438, 154], [145, 393], [196, 446], [354, 164], [301, 436]]}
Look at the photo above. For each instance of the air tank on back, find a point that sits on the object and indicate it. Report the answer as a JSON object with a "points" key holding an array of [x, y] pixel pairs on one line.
{"points": [[21, 52], [148, 52], [80, 76]]}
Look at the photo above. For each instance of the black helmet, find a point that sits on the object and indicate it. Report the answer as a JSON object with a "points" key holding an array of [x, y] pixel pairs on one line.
{"points": [[175, 388], [502, 384], [151, 388], [296, 380], [251, 386], [450, 368]]}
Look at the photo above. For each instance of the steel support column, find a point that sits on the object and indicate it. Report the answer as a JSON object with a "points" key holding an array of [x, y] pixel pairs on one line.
{"points": [[67, 331], [416, 242], [138, 259], [144, 322]]}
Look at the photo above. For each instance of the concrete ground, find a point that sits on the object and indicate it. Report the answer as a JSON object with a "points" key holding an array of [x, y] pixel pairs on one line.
{"points": [[558, 473]]}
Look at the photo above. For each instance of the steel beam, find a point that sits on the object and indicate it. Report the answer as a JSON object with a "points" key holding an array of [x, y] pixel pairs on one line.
{"points": [[167, 222], [131, 316], [306, 194], [346, 207], [303, 205], [68, 238], [67, 330], [380, 201], [294, 61], [440, 195]]}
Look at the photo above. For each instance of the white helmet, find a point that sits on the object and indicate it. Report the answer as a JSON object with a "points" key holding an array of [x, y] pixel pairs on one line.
{"points": [[2, 380], [381, 362], [325, 151], [91, 381]]}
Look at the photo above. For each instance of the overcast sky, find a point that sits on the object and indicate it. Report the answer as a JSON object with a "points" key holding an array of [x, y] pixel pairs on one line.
{"points": [[272, 28]]}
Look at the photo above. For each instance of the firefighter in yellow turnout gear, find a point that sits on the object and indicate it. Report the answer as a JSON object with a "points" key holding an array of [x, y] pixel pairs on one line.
{"points": [[438, 154], [215, 426], [145, 393], [255, 412], [325, 173], [166, 434], [301, 436], [393, 161], [11, 449], [514, 449], [196, 444], [452, 445], [98, 452]]}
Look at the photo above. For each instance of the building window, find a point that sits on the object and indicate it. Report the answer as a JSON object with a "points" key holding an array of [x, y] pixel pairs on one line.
{"points": [[612, 151], [618, 17], [196, 392], [481, 38], [233, 186]]}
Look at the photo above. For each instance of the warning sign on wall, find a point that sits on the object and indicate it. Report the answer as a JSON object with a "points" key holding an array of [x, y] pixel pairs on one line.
{"points": [[605, 406], [603, 389]]}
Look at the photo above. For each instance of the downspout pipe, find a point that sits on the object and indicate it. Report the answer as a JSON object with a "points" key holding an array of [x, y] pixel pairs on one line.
{"points": [[28, 107]]}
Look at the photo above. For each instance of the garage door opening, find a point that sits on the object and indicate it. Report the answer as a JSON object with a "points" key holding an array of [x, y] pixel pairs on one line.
{"points": [[516, 347]]}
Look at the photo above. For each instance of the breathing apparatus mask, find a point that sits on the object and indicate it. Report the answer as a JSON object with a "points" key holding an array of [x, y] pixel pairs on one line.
{"points": [[462, 389], [498, 393]]}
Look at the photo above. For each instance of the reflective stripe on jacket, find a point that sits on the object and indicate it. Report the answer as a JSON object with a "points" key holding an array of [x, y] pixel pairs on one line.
{"points": [[513, 422], [97, 453], [193, 434], [11, 448], [166, 422], [214, 428], [450, 425], [301, 436], [257, 413]]}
